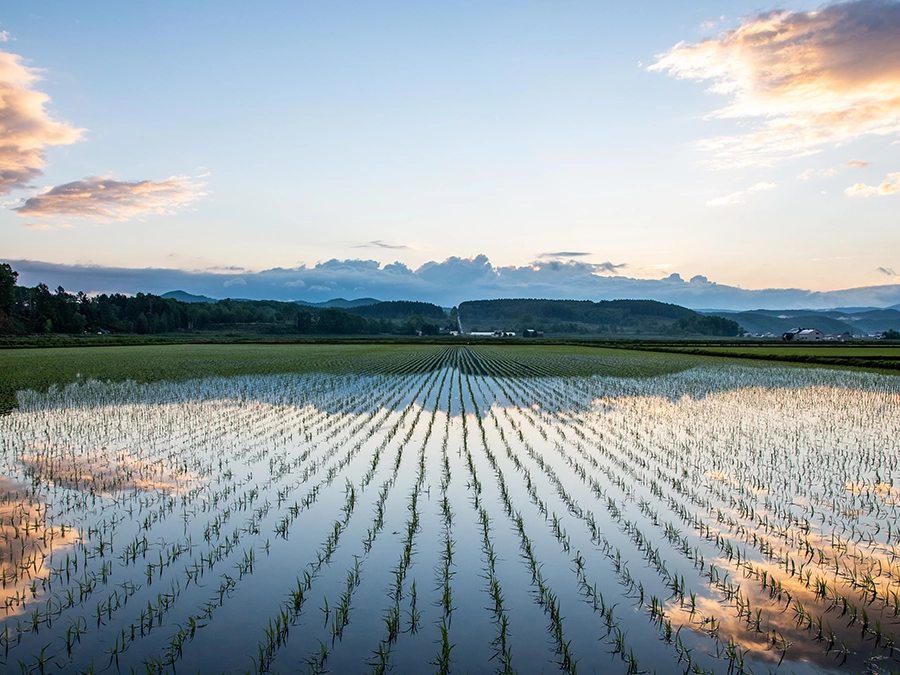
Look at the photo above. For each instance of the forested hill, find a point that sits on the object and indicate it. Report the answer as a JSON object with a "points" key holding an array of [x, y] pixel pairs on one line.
{"points": [[587, 317], [400, 310]]}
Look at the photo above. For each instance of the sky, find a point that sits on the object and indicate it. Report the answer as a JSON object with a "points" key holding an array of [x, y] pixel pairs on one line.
{"points": [[448, 151]]}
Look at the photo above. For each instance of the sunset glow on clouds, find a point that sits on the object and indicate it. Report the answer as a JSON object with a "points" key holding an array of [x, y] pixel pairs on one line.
{"points": [[108, 199], [805, 79], [889, 186], [26, 129], [527, 148]]}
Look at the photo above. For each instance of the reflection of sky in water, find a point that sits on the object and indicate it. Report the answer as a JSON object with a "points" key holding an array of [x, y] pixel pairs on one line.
{"points": [[795, 468]]}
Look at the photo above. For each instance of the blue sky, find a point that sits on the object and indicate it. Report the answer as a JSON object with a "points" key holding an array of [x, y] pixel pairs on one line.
{"points": [[223, 140]]}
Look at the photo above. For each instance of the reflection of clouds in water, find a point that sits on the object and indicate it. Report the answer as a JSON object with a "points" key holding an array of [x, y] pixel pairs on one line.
{"points": [[786, 644], [25, 544], [99, 474]]}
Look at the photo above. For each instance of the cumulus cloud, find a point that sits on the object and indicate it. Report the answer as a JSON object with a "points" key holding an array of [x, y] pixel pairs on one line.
{"points": [[810, 79], [236, 281], [889, 186], [4, 35], [471, 279], [104, 198], [26, 129], [738, 197], [564, 254]]}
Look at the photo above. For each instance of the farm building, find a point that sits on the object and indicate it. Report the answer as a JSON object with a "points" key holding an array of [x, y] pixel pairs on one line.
{"points": [[809, 335]]}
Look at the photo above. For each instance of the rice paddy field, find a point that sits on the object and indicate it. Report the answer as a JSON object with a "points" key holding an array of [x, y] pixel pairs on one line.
{"points": [[446, 509]]}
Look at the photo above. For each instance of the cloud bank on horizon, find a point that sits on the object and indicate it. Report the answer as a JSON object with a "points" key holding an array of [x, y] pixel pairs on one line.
{"points": [[447, 283]]}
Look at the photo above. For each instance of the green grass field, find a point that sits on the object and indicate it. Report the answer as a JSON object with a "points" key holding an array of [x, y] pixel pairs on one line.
{"points": [[853, 351], [39, 369]]}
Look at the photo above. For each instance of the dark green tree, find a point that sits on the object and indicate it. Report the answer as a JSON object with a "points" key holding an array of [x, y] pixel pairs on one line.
{"points": [[8, 278]]}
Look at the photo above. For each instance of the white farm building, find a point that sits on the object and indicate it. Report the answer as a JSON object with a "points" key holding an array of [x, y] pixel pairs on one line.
{"points": [[809, 335]]}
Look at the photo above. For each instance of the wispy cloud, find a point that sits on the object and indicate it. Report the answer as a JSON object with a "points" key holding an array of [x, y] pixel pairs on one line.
{"points": [[887, 270], [4, 36], [889, 186], [609, 267], [811, 79], [857, 164], [564, 254], [378, 243], [26, 129], [738, 197], [47, 226], [101, 198]]}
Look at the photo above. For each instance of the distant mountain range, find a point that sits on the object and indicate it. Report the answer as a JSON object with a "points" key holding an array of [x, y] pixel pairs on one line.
{"points": [[586, 315], [339, 303], [855, 320], [183, 296]]}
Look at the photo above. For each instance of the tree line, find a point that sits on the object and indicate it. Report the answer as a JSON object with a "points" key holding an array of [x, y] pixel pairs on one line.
{"points": [[26, 310]]}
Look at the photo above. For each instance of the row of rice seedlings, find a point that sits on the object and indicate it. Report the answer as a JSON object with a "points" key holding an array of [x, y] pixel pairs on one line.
{"points": [[162, 564], [444, 571], [593, 596], [393, 615], [341, 613], [727, 547], [614, 554], [297, 595], [634, 586], [545, 597], [392, 618]]}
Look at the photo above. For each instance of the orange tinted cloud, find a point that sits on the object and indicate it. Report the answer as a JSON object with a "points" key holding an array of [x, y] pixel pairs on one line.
{"points": [[810, 78], [107, 199], [889, 186], [26, 129]]}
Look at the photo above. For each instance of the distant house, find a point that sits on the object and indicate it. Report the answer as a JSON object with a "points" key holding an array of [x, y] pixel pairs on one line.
{"points": [[496, 333], [843, 337], [791, 334], [809, 335], [531, 333]]}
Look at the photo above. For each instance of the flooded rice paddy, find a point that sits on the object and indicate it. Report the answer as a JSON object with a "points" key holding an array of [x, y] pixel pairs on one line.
{"points": [[471, 514]]}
